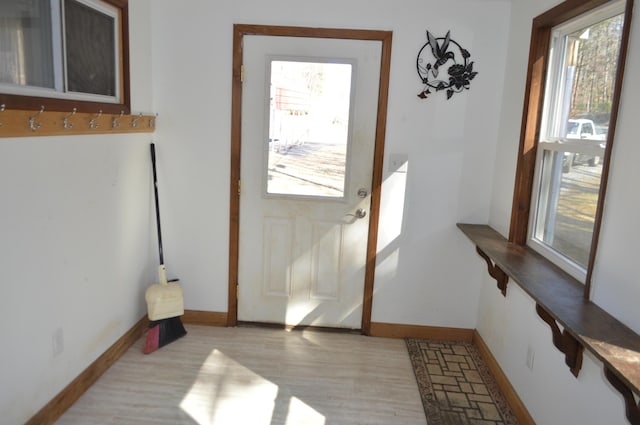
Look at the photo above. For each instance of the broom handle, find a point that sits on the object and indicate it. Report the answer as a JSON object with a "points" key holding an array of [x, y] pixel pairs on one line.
{"points": [[155, 191]]}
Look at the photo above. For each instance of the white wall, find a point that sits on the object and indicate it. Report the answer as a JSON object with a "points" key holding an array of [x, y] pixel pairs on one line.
{"points": [[425, 273], [510, 325], [76, 246], [76, 220]]}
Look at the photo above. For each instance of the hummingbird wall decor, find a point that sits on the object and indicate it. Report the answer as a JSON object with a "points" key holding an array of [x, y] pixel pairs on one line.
{"points": [[443, 64]]}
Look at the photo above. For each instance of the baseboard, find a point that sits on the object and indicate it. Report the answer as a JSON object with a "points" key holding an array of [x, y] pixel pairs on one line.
{"points": [[209, 318], [394, 330], [72, 392], [518, 407]]}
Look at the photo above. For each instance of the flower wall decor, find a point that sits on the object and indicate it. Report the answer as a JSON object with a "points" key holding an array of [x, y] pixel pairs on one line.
{"points": [[444, 65]]}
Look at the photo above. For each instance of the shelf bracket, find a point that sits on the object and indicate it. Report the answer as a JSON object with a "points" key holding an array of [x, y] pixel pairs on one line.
{"points": [[564, 342], [495, 272], [632, 408]]}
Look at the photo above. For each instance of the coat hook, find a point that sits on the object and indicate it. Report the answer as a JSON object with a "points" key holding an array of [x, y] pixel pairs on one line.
{"points": [[92, 122], [65, 123], [114, 121], [152, 121], [1, 110], [134, 122], [32, 120]]}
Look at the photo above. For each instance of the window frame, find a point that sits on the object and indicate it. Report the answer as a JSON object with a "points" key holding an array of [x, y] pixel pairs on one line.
{"points": [[61, 103], [533, 115]]}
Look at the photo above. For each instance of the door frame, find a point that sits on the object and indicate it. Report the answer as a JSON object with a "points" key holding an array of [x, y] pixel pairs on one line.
{"points": [[239, 31]]}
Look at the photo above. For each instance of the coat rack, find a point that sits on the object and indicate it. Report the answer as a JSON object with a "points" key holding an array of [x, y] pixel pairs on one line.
{"points": [[24, 123]]}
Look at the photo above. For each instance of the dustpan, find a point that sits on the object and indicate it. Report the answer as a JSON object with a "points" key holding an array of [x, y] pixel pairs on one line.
{"points": [[164, 299]]}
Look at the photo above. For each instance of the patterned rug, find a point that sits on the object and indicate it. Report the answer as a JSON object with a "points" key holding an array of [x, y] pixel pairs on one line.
{"points": [[456, 386]]}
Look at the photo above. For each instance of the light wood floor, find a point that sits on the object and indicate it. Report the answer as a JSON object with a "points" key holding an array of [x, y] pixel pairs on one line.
{"points": [[257, 376]]}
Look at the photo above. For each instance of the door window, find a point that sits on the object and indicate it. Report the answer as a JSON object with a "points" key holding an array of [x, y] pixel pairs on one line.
{"points": [[308, 135]]}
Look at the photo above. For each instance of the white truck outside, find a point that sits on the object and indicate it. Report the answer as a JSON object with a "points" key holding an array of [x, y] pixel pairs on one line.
{"points": [[586, 131]]}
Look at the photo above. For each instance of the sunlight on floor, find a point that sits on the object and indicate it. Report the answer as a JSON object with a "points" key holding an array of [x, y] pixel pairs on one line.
{"points": [[302, 414], [256, 376], [225, 391]]}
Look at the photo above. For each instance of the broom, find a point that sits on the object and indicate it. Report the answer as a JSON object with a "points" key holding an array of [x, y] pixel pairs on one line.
{"points": [[165, 303]]}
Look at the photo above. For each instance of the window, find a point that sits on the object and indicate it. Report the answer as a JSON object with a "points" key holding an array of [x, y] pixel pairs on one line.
{"points": [[309, 111], [63, 54], [578, 99], [571, 105]]}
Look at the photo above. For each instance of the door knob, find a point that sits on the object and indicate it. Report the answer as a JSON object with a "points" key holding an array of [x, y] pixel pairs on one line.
{"points": [[360, 213], [362, 192]]}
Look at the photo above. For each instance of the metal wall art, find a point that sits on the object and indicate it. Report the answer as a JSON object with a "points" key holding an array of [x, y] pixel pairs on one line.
{"points": [[444, 65]]}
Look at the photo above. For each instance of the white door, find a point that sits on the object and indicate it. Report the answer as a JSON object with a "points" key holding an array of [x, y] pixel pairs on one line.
{"points": [[308, 132]]}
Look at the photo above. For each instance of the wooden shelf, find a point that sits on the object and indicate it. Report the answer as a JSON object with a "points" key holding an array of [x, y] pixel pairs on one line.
{"points": [[23, 123], [559, 297]]}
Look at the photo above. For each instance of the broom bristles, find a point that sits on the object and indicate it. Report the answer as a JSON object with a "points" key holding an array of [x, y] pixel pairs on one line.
{"points": [[163, 332]]}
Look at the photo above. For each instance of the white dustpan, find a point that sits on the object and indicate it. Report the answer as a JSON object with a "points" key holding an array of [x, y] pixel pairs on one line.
{"points": [[164, 299]]}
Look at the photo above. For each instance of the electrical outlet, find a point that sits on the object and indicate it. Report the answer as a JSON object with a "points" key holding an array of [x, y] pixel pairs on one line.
{"points": [[57, 342], [530, 357]]}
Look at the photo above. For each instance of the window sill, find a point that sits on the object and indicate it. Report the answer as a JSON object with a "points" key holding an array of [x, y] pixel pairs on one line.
{"points": [[559, 298]]}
